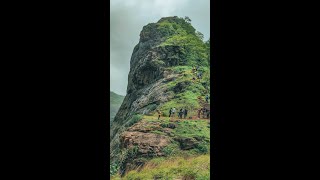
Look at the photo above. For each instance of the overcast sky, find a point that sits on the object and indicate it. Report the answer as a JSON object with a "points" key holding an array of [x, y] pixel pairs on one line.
{"points": [[129, 16]]}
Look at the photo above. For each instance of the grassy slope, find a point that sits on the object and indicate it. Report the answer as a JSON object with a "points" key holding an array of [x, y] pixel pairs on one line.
{"points": [[192, 167], [189, 97], [115, 103]]}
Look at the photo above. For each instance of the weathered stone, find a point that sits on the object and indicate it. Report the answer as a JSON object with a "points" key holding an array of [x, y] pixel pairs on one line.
{"points": [[186, 143], [171, 125], [147, 143], [145, 127]]}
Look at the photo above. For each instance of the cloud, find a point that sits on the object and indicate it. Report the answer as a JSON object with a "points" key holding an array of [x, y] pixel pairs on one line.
{"points": [[127, 17]]}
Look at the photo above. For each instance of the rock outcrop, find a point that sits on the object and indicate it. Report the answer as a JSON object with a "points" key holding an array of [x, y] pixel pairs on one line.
{"points": [[148, 144]]}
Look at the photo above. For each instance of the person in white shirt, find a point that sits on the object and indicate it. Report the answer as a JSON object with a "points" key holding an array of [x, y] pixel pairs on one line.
{"points": [[173, 111]]}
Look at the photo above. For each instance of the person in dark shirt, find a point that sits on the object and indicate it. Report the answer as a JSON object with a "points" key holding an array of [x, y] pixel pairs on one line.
{"points": [[207, 98], [185, 113], [170, 111], [180, 113]]}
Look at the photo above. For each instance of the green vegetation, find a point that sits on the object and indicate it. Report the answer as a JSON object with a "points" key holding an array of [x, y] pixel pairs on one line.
{"points": [[114, 168], [203, 148], [115, 103], [171, 149], [194, 167], [181, 69], [134, 119], [125, 156], [184, 100], [195, 52], [177, 24], [179, 32], [158, 132], [151, 107], [186, 90], [192, 129]]}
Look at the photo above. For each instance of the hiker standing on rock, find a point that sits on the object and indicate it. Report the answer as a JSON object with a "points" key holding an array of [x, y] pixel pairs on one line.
{"points": [[180, 113], [159, 114], [185, 113], [199, 112]]}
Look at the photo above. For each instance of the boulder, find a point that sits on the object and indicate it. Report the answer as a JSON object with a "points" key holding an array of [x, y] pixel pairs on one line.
{"points": [[186, 143], [148, 144], [171, 125]]}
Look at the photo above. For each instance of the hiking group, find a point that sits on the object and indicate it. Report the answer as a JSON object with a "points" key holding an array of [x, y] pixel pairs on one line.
{"points": [[197, 71], [205, 113], [183, 112]]}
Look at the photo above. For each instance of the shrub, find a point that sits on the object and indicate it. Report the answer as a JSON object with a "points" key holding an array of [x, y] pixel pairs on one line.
{"points": [[133, 152], [135, 118], [151, 107], [202, 148], [170, 149], [114, 168], [189, 174], [165, 114]]}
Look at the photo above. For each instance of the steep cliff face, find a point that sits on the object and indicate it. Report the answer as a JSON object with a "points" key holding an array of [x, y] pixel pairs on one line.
{"points": [[160, 77]]}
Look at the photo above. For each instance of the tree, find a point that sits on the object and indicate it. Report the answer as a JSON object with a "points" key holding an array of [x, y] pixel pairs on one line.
{"points": [[200, 35], [187, 19], [208, 49], [208, 43]]}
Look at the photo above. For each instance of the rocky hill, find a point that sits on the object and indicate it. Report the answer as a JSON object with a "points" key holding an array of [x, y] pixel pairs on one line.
{"points": [[115, 103], [162, 76]]}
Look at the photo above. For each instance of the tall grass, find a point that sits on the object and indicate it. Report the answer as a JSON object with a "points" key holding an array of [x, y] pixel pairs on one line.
{"points": [[196, 167]]}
